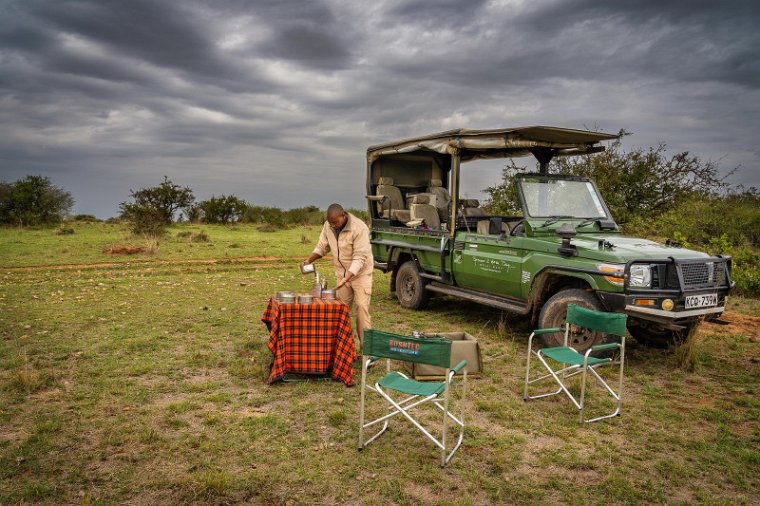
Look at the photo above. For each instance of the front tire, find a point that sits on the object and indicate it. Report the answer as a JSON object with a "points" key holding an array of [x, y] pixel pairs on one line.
{"points": [[410, 287], [553, 314], [656, 336]]}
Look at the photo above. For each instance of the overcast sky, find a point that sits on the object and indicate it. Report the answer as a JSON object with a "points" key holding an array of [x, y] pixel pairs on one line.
{"points": [[276, 101]]}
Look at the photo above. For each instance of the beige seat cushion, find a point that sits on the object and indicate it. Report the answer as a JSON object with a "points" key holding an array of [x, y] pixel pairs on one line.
{"points": [[472, 208], [442, 198], [422, 209], [394, 203]]}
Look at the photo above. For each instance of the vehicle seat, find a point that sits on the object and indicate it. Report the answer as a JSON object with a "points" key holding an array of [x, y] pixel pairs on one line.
{"points": [[471, 207], [393, 205], [423, 210], [442, 198]]}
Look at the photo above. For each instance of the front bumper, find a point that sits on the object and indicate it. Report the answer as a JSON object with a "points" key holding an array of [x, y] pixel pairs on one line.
{"points": [[676, 319], [676, 280]]}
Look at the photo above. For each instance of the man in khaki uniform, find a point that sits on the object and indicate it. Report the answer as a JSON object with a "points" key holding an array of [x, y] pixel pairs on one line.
{"points": [[347, 237]]}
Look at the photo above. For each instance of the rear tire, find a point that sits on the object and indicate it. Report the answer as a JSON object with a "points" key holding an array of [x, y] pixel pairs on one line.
{"points": [[410, 286], [553, 315]]}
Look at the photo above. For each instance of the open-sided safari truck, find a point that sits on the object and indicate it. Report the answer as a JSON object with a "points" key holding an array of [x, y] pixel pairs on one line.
{"points": [[565, 248]]}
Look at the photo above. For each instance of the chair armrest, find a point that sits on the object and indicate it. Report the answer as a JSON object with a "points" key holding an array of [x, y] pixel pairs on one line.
{"points": [[461, 365], [606, 346], [376, 198], [538, 332]]}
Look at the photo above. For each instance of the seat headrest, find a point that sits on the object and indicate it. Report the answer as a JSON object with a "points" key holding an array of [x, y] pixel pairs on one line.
{"points": [[386, 181], [471, 203], [421, 198], [436, 182]]}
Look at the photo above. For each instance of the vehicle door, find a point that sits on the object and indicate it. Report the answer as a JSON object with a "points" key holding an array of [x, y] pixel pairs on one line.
{"points": [[491, 263]]}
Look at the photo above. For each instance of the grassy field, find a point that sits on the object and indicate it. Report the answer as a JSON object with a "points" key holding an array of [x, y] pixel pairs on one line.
{"points": [[141, 381]]}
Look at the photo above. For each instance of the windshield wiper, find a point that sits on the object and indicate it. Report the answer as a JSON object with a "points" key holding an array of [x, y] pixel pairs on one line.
{"points": [[587, 221], [553, 219]]}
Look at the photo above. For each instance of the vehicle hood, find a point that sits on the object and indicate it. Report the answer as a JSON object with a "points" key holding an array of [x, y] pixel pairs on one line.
{"points": [[627, 248]]}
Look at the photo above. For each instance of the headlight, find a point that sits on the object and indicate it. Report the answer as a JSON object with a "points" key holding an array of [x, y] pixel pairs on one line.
{"points": [[641, 276], [617, 273]]}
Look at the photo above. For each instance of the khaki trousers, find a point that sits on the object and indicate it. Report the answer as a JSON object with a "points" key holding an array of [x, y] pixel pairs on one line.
{"points": [[358, 292]]}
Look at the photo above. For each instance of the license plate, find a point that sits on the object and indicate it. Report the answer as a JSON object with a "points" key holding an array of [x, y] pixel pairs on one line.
{"points": [[696, 301]]}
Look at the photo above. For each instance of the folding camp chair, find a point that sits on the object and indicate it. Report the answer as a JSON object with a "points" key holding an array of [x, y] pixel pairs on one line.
{"points": [[431, 351], [573, 363]]}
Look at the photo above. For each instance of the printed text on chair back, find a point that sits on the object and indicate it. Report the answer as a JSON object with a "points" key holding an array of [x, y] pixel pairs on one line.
{"points": [[610, 323], [429, 350]]}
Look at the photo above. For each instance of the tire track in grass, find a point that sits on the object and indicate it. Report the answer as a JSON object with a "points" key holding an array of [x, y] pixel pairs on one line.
{"points": [[265, 260]]}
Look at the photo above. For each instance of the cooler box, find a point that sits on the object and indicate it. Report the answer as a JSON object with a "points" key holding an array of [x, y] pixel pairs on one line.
{"points": [[463, 347]]}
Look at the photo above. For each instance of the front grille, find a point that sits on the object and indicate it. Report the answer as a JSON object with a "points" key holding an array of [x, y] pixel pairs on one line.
{"points": [[706, 274]]}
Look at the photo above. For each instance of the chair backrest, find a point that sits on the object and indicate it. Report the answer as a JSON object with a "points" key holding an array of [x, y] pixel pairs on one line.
{"points": [[442, 195], [421, 350], [385, 187], [422, 209], [610, 323]]}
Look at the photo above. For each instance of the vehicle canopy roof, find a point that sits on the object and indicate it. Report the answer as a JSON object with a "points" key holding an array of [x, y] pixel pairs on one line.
{"points": [[540, 141]]}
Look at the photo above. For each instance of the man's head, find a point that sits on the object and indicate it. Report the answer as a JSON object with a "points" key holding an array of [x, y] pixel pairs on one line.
{"points": [[336, 216]]}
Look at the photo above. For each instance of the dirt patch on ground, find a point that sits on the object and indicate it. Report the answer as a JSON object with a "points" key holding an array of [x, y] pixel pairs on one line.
{"points": [[124, 250], [732, 323]]}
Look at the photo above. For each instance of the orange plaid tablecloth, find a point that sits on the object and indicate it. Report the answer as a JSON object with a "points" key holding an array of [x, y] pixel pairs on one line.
{"points": [[310, 339]]}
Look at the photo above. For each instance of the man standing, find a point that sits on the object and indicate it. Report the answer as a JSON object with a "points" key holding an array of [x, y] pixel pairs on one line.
{"points": [[347, 237]]}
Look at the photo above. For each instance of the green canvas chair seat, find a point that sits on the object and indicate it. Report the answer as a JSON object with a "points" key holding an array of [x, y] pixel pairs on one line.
{"points": [[432, 351], [400, 383], [573, 363], [567, 355]]}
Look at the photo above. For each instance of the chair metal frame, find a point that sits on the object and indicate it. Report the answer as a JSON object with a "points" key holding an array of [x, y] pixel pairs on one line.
{"points": [[586, 318], [402, 407]]}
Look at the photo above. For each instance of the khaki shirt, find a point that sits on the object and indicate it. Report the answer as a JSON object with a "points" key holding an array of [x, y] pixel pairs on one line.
{"points": [[351, 251]]}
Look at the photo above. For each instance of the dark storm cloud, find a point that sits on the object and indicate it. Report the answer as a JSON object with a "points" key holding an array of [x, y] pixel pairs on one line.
{"points": [[160, 33], [310, 46], [246, 97]]}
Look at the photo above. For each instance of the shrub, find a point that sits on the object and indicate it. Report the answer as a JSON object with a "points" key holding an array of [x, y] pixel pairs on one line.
{"points": [[199, 237], [160, 201], [272, 216], [33, 200], [267, 227], [86, 218], [144, 220], [746, 271], [304, 216], [224, 209]]}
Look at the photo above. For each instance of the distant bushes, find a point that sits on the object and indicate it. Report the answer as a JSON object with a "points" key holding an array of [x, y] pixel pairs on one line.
{"points": [[84, 218]]}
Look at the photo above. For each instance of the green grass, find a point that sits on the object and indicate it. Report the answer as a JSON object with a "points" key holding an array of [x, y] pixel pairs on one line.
{"points": [[144, 383], [39, 247]]}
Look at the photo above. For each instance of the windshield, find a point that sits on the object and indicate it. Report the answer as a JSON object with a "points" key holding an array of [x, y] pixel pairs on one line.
{"points": [[561, 198]]}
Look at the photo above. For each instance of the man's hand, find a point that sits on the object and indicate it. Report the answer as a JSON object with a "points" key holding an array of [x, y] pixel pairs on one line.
{"points": [[311, 259], [342, 282]]}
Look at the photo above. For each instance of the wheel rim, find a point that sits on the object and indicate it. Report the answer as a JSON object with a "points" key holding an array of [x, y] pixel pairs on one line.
{"points": [[408, 287], [578, 338]]}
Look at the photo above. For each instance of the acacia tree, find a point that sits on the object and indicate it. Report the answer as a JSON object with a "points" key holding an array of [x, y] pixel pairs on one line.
{"points": [[222, 209], [33, 200], [153, 208], [639, 183]]}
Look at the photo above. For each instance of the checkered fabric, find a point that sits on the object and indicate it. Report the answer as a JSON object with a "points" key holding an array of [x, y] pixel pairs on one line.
{"points": [[310, 339]]}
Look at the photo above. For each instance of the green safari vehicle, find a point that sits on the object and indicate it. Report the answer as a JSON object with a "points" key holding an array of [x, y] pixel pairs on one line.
{"points": [[565, 248]]}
